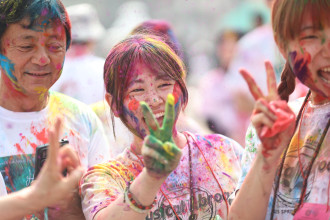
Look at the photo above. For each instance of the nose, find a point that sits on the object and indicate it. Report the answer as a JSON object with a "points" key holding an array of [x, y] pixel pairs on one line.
{"points": [[41, 57], [154, 99]]}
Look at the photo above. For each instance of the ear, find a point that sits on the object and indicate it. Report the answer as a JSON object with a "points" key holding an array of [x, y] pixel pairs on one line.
{"points": [[108, 97]]}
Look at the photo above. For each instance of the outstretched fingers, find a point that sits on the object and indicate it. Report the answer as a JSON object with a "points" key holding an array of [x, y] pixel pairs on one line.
{"points": [[168, 118], [149, 117], [271, 82], [54, 145]]}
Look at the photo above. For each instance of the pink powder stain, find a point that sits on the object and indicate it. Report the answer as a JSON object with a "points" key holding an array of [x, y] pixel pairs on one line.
{"points": [[41, 136], [133, 105], [43, 60], [91, 196], [72, 134], [176, 92], [34, 146], [44, 12], [19, 148]]}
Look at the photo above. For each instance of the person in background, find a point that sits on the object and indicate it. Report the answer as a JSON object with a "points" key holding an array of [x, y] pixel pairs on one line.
{"points": [[50, 188], [82, 72], [253, 49], [288, 147], [164, 173], [34, 37], [213, 88]]}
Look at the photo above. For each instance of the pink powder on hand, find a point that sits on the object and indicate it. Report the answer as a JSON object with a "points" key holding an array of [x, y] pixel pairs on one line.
{"points": [[284, 119]]}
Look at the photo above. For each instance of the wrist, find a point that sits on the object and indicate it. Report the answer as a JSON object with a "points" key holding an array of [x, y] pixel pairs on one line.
{"points": [[151, 178], [266, 164], [145, 187], [31, 199]]}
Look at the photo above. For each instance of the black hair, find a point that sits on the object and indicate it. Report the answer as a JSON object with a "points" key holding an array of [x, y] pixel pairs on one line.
{"points": [[13, 11]]}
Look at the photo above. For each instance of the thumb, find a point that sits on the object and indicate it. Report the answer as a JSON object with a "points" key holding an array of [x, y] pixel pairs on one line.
{"points": [[74, 177]]}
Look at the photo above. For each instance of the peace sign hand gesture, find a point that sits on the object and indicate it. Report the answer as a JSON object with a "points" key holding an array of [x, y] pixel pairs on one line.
{"points": [[160, 154], [271, 117]]}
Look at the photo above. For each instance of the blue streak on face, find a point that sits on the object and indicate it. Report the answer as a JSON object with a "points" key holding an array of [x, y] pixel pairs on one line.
{"points": [[8, 67], [137, 130]]}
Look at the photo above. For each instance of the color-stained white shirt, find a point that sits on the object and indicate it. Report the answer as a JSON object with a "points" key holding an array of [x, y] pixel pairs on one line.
{"points": [[22, 132], [103, 183], [313, 124], [3, 190]]}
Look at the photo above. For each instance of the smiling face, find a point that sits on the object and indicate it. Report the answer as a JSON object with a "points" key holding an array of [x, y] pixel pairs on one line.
{"points": [[309, 57], [143, 84], [32, 58]]}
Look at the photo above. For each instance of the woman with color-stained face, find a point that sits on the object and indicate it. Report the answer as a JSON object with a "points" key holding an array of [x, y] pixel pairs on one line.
{"points": [[287, 178], [163, 174]]}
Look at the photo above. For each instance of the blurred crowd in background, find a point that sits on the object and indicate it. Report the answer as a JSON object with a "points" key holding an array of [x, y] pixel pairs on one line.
{"points": [[217, 38]]}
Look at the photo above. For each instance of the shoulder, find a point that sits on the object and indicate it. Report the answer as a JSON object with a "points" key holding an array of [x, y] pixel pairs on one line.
{"points": [[65, 104], [110, 171]]}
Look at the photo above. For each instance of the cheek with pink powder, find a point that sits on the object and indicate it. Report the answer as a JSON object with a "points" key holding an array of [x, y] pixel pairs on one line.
{"points": [[59, 66], [133, 105]]}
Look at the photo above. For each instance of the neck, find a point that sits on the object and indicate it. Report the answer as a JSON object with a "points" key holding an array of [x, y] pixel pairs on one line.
{"points": [[16, 101], [178, 138], [317, 99]]}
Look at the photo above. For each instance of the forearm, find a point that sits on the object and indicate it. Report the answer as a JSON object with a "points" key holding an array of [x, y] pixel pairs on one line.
{"points": [[19, 204], [144, 189], [252, 199]]}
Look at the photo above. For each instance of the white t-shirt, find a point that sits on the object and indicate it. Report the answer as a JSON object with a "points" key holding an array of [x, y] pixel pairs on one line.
{"points": [[22, 132], [311, 129], [103, 183], [82, 78], [3, 190]]}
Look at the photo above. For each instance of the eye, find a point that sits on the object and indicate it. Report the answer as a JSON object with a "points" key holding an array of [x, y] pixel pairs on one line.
{"points": [[137, 90], [55, 47], [164, 85], [25, 48], [307, 37]]}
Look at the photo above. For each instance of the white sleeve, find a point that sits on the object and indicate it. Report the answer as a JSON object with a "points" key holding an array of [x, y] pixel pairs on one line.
{"points": [[251, 144], [99, 150], [3, 190]]}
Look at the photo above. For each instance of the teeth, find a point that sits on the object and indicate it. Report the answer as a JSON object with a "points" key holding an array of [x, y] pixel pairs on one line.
{"points": [[327, 69], [158, 115], [35, 74], [324, 75], [325, 80]]}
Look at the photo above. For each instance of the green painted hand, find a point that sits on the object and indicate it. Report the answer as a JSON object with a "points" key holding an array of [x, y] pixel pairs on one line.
{"points": [[161, 155]]}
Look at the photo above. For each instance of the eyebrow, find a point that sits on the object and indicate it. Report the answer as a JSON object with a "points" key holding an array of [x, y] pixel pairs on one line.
{"points": [[307, 27], [136, 81], [26, 37], [163, 77]]}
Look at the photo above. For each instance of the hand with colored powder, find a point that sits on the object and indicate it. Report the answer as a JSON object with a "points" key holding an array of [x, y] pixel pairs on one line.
{"points": [[50, 188], [272, 117], [50, 184], [160, 154]]}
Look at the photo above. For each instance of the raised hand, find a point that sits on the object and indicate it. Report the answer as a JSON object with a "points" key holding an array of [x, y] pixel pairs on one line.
{"points": [[51, 186], [160, 154], [272, 117]]}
